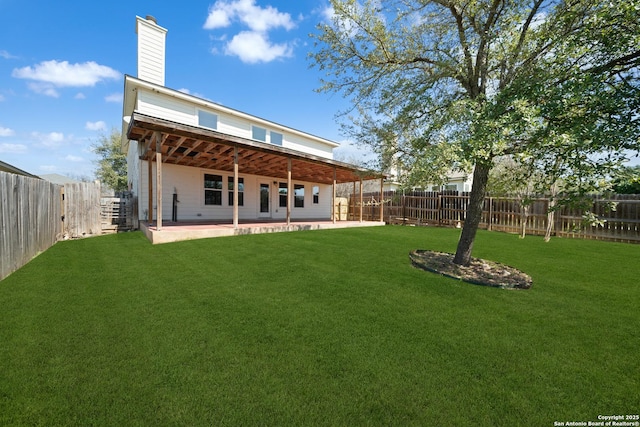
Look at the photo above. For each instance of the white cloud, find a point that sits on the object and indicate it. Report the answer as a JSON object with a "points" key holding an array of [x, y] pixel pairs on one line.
{"points": [[49, 140], [344, 25], [46, 89], [80, 95], [6, 55], [6, 131], [13, 148], [64, 74], [328, 13], [257, 18], [218, 18], [99, 125], [253, 47], [48, 168], [114, 97], [72, 158]]}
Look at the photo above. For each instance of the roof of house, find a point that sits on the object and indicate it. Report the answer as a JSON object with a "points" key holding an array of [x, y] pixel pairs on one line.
{"points": [[6, 167], [59, 179]]}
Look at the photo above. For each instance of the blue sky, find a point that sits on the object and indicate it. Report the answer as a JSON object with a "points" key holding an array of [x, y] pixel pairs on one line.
{"points": [[62, 65]]}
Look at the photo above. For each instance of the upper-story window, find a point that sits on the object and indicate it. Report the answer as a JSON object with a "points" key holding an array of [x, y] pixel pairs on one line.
{"points": [[207, 120], [258, 133], [276, 138]]}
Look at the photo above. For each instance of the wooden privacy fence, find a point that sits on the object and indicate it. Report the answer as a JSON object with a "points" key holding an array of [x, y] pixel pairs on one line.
{"points": [[622, 223], [30, 219], [118, 213], [35, 214], [81, 210]]}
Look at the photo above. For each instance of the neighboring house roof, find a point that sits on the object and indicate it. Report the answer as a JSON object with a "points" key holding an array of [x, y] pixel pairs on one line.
{"points": [[59, 179], [6, 167]]}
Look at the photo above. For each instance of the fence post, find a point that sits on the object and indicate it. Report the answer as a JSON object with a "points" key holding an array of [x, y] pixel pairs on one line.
{"points": [[490, 219]]}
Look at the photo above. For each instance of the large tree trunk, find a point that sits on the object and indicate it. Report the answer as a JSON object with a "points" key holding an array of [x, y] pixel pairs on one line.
{"points": [[473, 215], [551, 219]]}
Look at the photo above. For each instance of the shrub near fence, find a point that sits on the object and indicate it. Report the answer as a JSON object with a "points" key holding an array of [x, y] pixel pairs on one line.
{"points": [[505, 214]]}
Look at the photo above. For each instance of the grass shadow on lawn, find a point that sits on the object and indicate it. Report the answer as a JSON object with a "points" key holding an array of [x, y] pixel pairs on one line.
{"points": [[317, 328]]}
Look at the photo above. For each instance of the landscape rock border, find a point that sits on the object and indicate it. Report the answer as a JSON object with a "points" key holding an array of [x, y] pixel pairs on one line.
{"points": [[478, 272]]}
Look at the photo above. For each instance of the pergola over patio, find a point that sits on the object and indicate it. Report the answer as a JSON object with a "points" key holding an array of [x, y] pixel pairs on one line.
{"points": [[170, 142]]}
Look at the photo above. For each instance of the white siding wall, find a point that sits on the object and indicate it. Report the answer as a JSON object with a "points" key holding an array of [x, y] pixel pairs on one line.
{"points": [[133, 167], [188, 183], [307, 146], [166, 108], [169, 108], [233, 125]]}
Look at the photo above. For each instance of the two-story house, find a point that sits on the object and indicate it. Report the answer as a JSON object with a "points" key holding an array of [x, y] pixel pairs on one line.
{"points": [[190, 159]]}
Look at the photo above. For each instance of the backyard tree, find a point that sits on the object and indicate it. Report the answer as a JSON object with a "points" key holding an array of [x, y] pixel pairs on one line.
{"points": [[112, 165], [626, 180], [457, 83]]}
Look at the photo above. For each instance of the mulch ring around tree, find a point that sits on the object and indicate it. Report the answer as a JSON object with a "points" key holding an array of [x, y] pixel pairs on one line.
{"points": [[478, 272]]}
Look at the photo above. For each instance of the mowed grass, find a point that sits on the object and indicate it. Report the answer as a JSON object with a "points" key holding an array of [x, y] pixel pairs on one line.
{"points": [[327, 328]]}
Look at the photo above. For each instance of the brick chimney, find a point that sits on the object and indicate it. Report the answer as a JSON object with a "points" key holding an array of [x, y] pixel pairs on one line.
{"points": [[151, 50]]}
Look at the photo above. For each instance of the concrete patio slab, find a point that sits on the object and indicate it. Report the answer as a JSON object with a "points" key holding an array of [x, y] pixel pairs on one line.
{"points": [[178, 231]]}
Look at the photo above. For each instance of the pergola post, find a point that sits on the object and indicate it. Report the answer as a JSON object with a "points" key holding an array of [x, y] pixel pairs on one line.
{"points": [[333, 197], [361, 199], [158, 138], [150, 186], [353, 217], [235, 187], [381, 199], [289, 190]]}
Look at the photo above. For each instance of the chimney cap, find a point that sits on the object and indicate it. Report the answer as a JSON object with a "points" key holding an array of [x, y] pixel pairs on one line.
{"points": [[151, 18]]}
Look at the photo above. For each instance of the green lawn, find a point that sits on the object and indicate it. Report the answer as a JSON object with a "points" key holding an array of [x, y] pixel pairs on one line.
{"points": [[327, 328]]}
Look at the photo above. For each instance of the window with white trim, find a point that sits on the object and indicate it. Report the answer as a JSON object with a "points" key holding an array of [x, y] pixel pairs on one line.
{"points": [[316, 194], [298, 196], [240, 190], [212, 189], [258, 133], [282, 192], [207, 119], [276, 138]]}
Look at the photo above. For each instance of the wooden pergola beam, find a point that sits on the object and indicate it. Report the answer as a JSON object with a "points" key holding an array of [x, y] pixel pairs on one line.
{"points": [[305, 167]]}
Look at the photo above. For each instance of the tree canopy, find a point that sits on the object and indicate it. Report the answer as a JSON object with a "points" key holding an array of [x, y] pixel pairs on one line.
{"points": [[627, 180], [457, 83], [112, 166]]}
